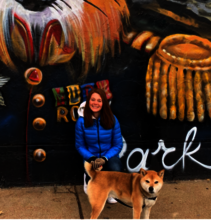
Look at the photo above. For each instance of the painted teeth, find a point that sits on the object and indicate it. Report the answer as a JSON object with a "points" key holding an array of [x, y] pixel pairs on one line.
{"points": [[168, 54]]}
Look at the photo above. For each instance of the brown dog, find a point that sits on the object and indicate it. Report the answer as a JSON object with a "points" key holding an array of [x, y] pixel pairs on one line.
{"points": [[140, 190]]}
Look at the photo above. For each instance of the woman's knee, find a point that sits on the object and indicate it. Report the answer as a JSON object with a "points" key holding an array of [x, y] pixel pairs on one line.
{"points": [[114, 164]]}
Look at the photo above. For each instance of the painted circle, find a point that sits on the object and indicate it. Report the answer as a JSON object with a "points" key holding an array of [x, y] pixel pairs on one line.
{"points": [[33, 76], [38, 100], [39, 124], [39, 155]]}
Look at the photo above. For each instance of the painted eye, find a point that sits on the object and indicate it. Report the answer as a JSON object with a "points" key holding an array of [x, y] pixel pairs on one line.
{"points": [[156, 182], [147, 181]]}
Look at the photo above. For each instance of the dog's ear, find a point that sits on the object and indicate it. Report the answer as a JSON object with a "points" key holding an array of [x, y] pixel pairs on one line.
{"points": [[161, 173], [143, 172]]}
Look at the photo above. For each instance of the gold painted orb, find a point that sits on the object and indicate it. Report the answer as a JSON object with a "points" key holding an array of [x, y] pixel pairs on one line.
{"points": [[38, 100], [39, 124], [39, 155]]}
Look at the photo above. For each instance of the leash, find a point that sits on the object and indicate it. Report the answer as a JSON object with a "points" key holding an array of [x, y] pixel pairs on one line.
{"points": [[123, 203], [154, 198]]}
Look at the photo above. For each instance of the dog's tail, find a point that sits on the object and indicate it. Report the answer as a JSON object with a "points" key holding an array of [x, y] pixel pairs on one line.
{"points": [[89, 169]]}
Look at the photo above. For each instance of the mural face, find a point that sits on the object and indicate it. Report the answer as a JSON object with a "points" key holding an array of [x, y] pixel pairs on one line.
{"points": [[53, 32], [152, 58]]}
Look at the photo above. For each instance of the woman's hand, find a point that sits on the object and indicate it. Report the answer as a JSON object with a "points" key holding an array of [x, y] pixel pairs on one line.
{"points": [[98, 162]]}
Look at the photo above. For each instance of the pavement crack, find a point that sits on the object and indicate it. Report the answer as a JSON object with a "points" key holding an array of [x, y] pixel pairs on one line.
{"points": [[78, 201]]}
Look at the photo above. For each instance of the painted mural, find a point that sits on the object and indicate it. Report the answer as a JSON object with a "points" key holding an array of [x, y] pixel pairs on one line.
{"points": [[152, 58]]}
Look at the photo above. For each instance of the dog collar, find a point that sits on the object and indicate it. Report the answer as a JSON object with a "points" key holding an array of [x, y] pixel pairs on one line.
{"points": [[154, 198]]}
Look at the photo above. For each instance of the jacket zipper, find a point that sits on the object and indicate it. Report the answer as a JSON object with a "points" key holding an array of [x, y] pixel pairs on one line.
{"points": [[98, 136]]}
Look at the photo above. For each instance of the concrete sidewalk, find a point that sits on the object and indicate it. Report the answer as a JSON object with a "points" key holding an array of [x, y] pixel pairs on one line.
{"points": [[181, 199]]}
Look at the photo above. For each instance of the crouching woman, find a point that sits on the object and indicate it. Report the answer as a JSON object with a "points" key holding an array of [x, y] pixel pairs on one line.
{"points": [[98, 136]]}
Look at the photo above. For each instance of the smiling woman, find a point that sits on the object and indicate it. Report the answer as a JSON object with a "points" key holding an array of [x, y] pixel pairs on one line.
{"points": [[98, 139], [95, 104]]}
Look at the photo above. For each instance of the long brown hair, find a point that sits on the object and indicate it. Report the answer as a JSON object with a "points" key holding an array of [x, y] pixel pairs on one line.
{"points": [[107, 119]]}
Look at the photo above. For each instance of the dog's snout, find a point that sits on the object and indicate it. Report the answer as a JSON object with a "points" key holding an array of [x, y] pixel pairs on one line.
{"points": [[151, 189]]}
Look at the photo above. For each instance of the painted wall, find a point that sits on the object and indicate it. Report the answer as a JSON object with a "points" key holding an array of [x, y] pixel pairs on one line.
{"points": [[155, 56]]}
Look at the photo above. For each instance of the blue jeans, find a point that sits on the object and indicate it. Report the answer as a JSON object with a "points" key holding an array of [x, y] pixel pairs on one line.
{"points": [[113, 164]]}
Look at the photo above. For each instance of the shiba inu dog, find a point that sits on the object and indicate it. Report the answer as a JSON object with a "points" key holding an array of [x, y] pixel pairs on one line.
{"points": [[139, 189]]}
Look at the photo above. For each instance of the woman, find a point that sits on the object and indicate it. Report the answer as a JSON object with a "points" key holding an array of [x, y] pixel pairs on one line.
{"points": [[98, 136]]}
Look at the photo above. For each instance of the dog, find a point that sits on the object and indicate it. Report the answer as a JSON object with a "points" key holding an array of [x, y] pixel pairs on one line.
{"points": [[139, 189]]}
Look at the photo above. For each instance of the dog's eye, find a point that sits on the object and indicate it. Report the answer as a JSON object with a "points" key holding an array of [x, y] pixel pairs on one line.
{"points": [[156, 182], [147, 181]]}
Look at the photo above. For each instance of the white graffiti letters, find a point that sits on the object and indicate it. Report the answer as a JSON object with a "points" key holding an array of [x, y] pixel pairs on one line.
{"points": [[142, 164], [161, 146]]}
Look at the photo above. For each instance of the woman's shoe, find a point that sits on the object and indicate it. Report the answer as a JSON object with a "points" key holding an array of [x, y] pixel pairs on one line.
{"points": [[85, 185], [111, 200]]}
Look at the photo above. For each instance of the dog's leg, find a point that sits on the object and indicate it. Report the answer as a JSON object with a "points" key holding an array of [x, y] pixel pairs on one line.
{"points": [[97, 202], [137, 208], [137, 213], [145, 212]]}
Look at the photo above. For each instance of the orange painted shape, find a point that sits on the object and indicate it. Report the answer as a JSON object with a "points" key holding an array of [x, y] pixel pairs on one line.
{"points": [[62, 113], [25, 34], [187, 21], [72, 114], [38, 100], [127, 38], [152, 43], [33, 76], [39, 155], [187, 51], [39, 124], [141, 39]]}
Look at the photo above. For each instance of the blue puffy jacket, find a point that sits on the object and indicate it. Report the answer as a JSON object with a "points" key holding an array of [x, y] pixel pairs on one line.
{"points": [[97, 141]]}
